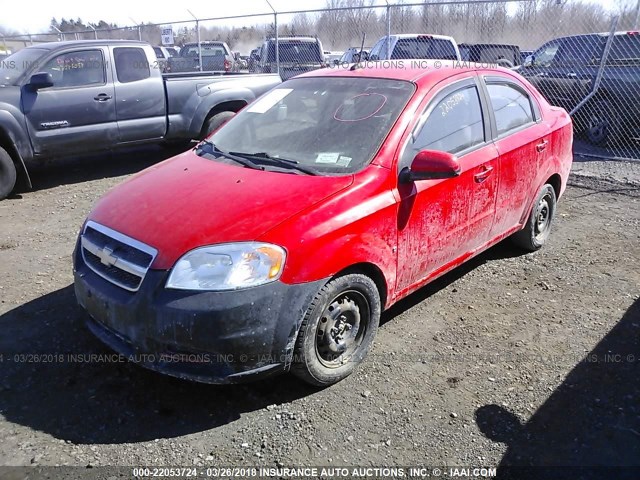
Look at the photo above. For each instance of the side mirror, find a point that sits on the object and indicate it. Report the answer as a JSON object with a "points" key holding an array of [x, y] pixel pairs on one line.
{"points": [[431, 165], [40, 80], [528, 62]]}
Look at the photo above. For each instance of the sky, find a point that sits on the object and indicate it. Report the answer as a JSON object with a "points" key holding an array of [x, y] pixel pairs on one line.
{"points": [[34, 16]]}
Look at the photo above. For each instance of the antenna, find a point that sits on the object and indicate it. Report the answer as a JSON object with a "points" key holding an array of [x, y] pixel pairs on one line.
{"points": [[357, 65]]}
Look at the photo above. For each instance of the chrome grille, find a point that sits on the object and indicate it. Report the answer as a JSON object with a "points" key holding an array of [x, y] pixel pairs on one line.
{"points": [[117, 258]]}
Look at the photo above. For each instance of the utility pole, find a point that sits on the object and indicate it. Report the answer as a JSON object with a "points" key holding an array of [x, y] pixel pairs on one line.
{"points": [[198, 36], [275, 24]]}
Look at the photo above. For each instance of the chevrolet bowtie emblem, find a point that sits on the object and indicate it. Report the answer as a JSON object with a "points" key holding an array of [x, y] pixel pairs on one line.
{"points": [[107, 257]]}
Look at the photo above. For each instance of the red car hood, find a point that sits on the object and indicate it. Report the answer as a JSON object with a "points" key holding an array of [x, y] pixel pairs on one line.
{"points": [[188, 201]]}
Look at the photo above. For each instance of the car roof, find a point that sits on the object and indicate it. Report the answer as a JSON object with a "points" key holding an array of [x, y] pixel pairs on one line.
{"points": [[434, 70], [414, 35], [297, 39], [600, 34], [84, 43]]}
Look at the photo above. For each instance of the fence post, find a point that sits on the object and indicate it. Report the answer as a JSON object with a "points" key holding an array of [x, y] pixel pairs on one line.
{"points": [[198, 38], [275, 24], [388, 55], [4, 43], [603, 63]]}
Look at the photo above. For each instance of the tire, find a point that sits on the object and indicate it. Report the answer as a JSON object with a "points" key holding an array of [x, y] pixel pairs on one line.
{"points": [[8, 174], [215, 122], [350, 304], [538, 227], [599, 122]]}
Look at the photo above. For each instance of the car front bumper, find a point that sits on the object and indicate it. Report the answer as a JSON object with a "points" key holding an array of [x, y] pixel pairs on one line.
{"points": [[211, 337]]}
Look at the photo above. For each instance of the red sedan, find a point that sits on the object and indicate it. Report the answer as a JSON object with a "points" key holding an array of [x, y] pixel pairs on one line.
{"points": [[275, 244]]}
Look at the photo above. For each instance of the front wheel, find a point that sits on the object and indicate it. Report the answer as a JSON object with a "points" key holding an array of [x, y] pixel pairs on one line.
{"points": [[538, 227], [8, 174], [337, 330]]}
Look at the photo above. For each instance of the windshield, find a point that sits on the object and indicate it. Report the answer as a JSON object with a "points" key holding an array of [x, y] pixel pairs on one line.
{"points": [[424, 47], [296, 51], [14, 66], [333, 125]]}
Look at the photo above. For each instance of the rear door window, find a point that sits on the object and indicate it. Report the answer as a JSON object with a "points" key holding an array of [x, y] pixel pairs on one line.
{"points": [[131, 64], [580, 50], [625, 49], [511, 106], [158, 51]]}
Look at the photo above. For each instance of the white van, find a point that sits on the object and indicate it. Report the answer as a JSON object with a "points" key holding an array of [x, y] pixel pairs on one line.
{"points": [[415, 45]]}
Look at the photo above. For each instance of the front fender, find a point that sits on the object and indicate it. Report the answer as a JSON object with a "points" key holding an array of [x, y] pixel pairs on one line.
{"points": [[207, 99], [13, 131]]}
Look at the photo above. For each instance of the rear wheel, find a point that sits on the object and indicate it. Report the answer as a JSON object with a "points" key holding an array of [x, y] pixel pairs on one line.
{"points": [[538, 226], [8, 174], [215, 122], [337, 330]]}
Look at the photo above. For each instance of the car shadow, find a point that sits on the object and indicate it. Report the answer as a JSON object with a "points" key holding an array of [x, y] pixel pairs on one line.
{"points": [[57, 172], [502, 250], [57, 378], [592, 420]]}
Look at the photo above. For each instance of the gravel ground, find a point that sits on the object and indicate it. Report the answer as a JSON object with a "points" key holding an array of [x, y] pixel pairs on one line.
{"points": [[510, 359]]}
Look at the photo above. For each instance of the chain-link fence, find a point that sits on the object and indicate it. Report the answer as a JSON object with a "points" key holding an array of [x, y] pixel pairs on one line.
{"points": [[582, 56]]}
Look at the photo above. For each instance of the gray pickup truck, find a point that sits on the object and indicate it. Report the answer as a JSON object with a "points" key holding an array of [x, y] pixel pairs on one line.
{"points": [[68, 98]]}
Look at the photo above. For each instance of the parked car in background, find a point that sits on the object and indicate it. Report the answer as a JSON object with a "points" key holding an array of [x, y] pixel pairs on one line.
{"points": [[507, 56], [254, 60], [163, 54], [296, 55], [565, 72], [265, 249], [418, 46], [352, 55], [216, 57], [62, 99], [332, 57]]}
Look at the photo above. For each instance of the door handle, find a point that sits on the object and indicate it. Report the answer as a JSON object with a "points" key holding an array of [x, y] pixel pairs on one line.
{"points": [[103, 97], [483, 175], [541, 146]]}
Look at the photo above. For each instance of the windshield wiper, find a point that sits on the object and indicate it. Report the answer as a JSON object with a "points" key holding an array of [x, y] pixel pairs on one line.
{"points": [[242, 161], [277, 161]]}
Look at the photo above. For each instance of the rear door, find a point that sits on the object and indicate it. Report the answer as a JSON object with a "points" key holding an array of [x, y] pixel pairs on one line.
{"points": [[78, 112], [441, 222], [522, 140], [139, 95]]}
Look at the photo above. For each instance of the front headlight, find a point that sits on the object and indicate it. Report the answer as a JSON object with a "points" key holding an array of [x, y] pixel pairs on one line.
{"points": [[228, 267]]}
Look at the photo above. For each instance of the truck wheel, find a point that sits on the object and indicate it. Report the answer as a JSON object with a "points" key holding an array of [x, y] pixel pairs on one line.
{"points": [[8, 174], [215, 122], [337, 330], [538, 227], [599, 121]]}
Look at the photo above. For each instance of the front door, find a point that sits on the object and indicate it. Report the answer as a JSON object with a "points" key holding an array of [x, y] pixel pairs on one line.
{"points": [[77, 113], [442, 222]]}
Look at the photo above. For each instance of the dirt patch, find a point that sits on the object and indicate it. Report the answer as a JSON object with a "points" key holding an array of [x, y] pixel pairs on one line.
{"points": [[504, 359]]}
